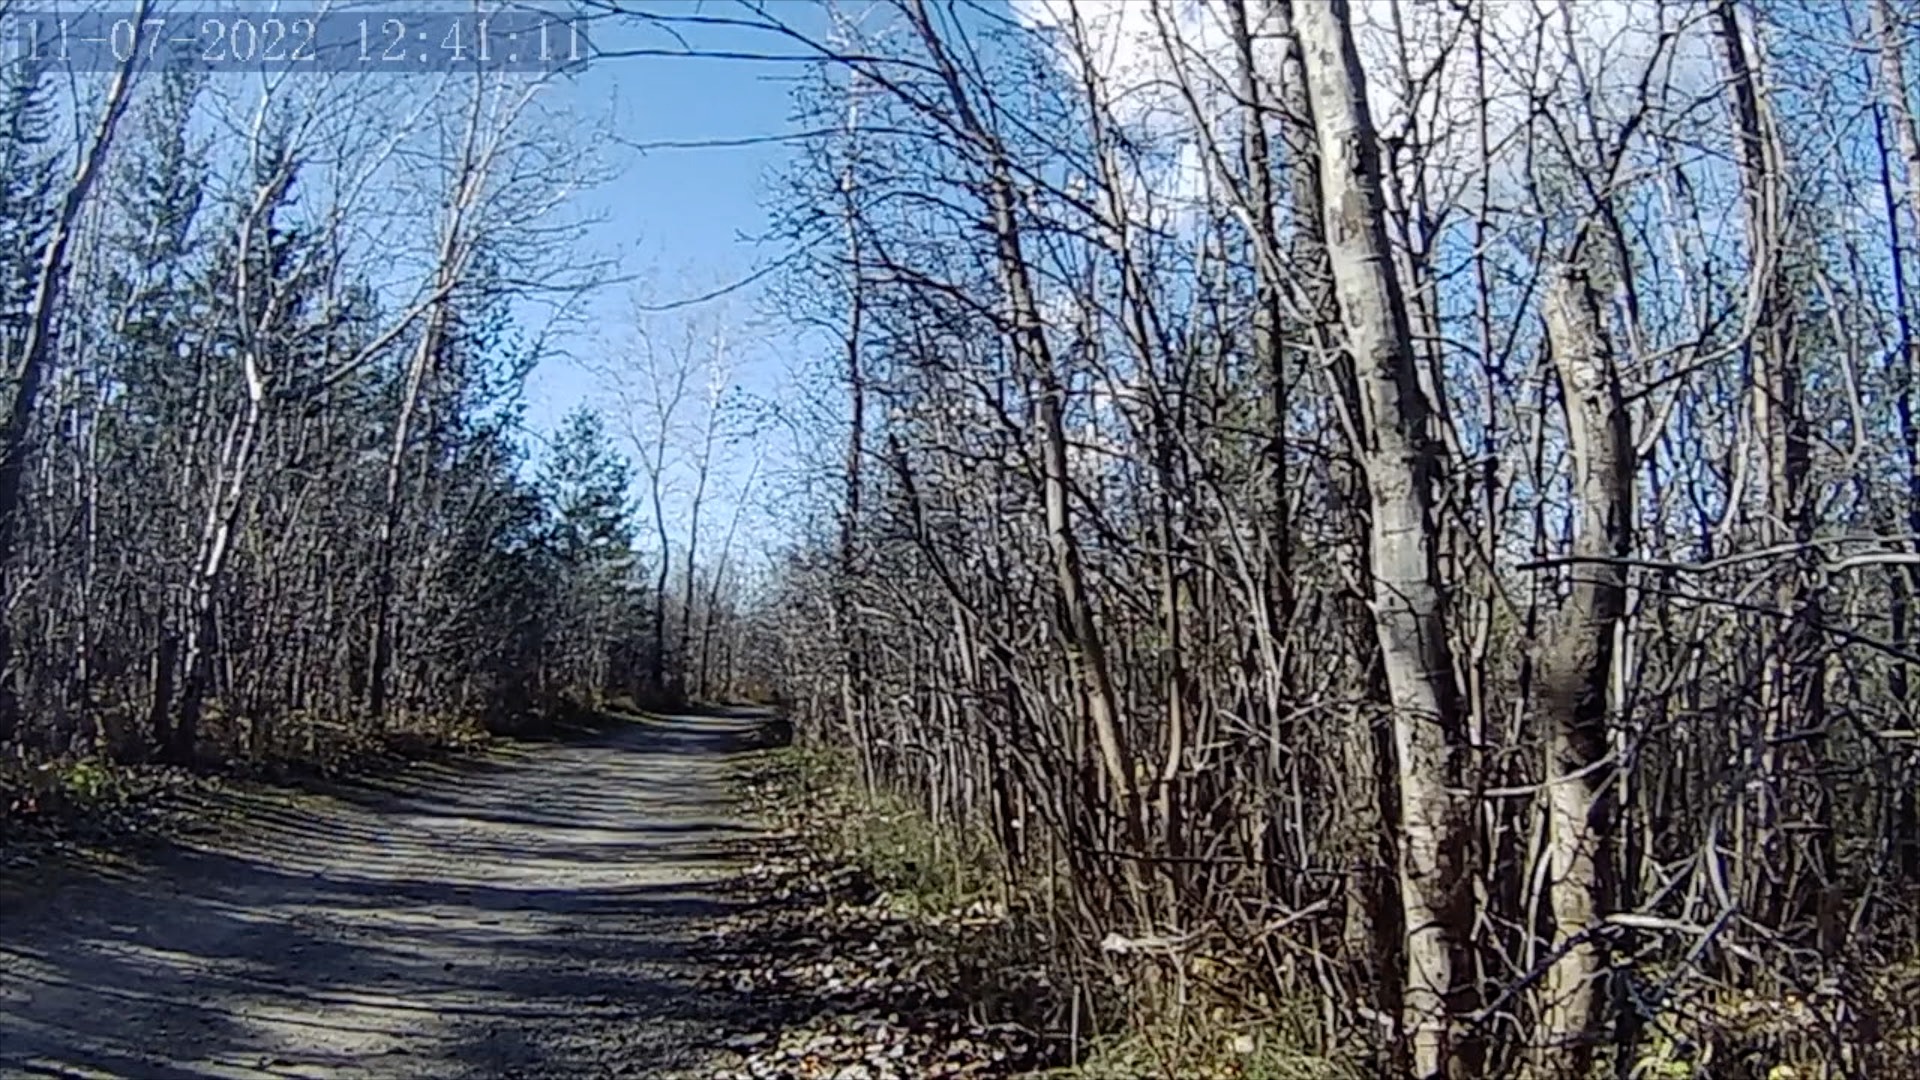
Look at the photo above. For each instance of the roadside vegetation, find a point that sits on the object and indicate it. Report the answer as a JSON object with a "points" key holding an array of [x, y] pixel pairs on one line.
{"points": [[867, 910], [1399, 520]]}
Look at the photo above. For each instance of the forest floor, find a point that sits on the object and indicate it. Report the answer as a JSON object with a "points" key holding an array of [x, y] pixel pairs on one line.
{"points": [[534, 910]]}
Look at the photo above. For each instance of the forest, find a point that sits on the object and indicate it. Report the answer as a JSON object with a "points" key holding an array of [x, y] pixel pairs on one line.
{"points": [[1398, 517], [264, 489], [1401, 519]]}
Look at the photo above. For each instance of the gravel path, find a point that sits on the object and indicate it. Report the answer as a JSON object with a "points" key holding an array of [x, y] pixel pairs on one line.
{"points": [[523, 913]]}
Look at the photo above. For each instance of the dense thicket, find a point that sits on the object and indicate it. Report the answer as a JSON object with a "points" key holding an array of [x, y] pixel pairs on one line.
{"points": [[1416, 504], [265, 486]]}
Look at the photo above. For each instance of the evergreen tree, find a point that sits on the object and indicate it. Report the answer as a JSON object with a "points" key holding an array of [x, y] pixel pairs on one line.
{"points": [[590, 531]]}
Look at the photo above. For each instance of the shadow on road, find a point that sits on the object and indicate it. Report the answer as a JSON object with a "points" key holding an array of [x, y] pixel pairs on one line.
{"points": [[524, 912]]}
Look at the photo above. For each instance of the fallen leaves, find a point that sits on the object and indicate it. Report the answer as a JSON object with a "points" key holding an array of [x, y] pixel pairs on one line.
{"points": [[850, 984], [47, 814]]}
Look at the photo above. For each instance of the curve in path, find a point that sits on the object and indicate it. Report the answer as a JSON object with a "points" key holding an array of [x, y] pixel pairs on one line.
{"points": [[523, 913]]}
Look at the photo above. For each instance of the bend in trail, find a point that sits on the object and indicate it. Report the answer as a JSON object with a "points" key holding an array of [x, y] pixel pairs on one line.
{"points": [[523, 913]]}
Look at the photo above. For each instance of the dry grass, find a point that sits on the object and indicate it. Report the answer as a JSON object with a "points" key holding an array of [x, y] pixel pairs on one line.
{"points": [[919, 868]]}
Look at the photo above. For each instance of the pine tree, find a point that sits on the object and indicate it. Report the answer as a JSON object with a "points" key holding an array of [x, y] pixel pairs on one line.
{"points": [[590, 531]]}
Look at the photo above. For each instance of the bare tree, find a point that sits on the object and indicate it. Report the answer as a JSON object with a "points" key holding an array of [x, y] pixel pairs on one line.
{"points": [[28, 367], [1576, 678], [1399, 455]]}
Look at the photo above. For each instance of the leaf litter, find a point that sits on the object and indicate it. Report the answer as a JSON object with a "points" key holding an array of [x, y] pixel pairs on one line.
{"points": [[849, 983]]}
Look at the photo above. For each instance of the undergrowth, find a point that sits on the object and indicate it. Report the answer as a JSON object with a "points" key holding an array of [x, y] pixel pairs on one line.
{"points": [[868, 912], [923, 868], [1011, 967], [1202, 1013], [95, 795]]}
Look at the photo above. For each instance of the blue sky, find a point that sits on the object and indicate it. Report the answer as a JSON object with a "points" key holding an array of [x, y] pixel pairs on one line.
{"points": [[672, 216], [682, 222]]}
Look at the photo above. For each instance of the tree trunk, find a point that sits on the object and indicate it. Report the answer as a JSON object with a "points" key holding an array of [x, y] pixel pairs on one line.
{"points": [[424, 356], [230, 495], [1401, 459], [657, 663], [1268, 326], [1904, 824], [684, 650], [1792, 684], [1575, 673], [852, 646], [1374, 920]]}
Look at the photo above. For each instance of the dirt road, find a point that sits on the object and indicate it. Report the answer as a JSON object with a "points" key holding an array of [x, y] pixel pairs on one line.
{"points": [[520, 914]]}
